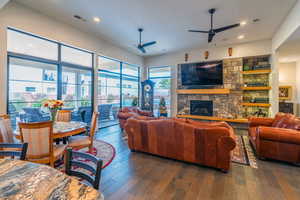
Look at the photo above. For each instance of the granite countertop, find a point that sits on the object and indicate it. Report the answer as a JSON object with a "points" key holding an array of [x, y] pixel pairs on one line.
{"points": [[21, 180]]}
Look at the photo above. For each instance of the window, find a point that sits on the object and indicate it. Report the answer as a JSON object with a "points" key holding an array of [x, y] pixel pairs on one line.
{"points": [[76, 56], [162, 78], [26, 44], [28, 89], [130, 84], [36, 74], [118, 85]]}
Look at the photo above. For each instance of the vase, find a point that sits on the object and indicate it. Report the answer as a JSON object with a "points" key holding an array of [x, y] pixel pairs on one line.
{"points": [[53, 114]]}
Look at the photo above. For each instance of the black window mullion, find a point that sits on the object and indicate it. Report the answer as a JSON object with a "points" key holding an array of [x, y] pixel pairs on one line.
{"points": [[59, 74], [121, 84]]}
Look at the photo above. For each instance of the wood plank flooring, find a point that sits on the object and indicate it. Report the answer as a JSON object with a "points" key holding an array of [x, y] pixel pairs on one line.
{"points": [[138, 176]]}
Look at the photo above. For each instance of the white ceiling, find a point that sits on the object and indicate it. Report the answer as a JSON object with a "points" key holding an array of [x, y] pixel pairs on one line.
{"points": [[167, 21]]}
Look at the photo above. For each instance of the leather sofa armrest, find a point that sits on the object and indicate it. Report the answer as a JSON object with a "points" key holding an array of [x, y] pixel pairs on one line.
{"points": [[263, 121], [279, 135]]}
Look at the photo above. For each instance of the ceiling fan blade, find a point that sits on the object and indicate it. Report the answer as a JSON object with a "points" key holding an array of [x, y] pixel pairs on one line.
{"points": [[226, 28], [210, 37], [198, 31], [141, 48], [148, 44]]}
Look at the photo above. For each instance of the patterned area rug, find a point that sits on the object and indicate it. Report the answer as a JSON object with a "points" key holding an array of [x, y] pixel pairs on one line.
{"points": [[102, 150], [243, 153]]}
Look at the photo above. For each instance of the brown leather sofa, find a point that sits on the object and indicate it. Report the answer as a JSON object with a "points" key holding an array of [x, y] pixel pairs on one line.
{"points": [[127, 112], [208, 144], [276, 138]]}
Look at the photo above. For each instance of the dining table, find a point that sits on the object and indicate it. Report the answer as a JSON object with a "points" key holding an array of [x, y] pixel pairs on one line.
{"points": [[22, 180], [63, 129]]}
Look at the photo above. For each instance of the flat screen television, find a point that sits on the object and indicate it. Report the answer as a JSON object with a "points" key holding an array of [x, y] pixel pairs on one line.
{"points": [[202, 74]]}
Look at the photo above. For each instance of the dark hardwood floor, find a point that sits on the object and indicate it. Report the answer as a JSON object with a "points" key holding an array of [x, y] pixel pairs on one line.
{"points": [[141, 176]]}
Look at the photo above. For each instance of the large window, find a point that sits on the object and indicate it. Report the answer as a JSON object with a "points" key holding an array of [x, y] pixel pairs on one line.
{"points": [[161, 76], [130, 84], [40, 69], [118, 85]]}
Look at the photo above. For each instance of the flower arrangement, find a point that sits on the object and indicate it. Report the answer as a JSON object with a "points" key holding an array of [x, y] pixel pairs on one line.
{"points": [[134, 102], [53, 106]]}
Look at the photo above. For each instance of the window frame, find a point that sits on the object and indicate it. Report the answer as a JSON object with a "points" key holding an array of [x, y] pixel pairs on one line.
{"points": [[121, 63], [57, 62]]}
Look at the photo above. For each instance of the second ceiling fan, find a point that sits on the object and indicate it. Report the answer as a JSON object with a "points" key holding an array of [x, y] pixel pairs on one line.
{"points": [[212, 32]]}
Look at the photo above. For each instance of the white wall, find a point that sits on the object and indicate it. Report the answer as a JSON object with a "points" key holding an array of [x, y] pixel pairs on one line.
{"points": [[3, 3], [28, 20], [215, 53], [287, 77], [195, 55]]}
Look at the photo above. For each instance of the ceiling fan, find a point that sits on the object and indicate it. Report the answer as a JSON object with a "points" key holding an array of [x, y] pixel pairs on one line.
{"points": [[212, 32], [141, 46]]}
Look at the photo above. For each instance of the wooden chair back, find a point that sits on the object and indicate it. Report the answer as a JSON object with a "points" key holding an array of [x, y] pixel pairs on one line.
{"points": [[93, 179], [6, 132], [39, 137], [93, 126], [13, 150], [64, 116]]}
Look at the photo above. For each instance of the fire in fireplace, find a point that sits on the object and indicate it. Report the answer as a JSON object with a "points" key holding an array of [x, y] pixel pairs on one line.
{"points": [[202, 108]]}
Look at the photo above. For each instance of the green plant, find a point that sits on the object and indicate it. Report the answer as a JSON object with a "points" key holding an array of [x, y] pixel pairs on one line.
{"points": [[110, 98], [165, 84], [134, 101]]}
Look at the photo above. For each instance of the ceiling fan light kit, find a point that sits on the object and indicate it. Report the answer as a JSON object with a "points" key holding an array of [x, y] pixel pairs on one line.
{"points": [[212, 32]]}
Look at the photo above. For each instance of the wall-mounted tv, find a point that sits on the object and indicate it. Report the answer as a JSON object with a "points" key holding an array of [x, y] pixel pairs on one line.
{"points": [[202, 74]]}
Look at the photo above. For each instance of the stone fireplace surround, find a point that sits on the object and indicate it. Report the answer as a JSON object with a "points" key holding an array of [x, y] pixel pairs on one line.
{"points": [[224, 105]]}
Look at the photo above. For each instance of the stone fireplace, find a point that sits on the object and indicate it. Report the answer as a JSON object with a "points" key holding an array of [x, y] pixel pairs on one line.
{"points": [[202, 108], [217, 105]]}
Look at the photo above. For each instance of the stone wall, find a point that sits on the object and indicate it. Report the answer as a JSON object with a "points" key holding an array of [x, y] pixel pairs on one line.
{"points": [[227, 106]]}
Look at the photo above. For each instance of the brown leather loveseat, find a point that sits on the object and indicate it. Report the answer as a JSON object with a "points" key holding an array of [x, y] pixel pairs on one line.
{"points": [[208, 144], [277, 138], [127, 112]]}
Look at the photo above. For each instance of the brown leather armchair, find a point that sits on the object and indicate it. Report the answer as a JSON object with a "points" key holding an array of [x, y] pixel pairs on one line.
{"points": [[277, 138], [206, 144], [127, 112]]}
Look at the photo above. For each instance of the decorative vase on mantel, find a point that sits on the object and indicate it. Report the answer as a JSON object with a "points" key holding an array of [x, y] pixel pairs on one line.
{"points": [[53, 106]]}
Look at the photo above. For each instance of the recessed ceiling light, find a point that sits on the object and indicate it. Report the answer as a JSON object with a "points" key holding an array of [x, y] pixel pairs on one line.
{"points": [[243, 23], [96, 19], [240, 37]]}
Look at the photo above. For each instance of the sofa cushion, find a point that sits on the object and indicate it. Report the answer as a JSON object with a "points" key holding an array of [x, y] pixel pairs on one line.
{"points": [[281, 120], [293, 123], [278, 118]]}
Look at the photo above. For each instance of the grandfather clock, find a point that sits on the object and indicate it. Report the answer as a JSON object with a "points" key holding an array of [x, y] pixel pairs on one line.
{"points": [[147, 95]]}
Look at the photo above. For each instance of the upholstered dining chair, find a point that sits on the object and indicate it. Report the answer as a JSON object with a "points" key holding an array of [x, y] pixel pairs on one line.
{"points": [[80, 142], [64, 115], [6, 132], [12, 150], [39, 137], [73, 167]]}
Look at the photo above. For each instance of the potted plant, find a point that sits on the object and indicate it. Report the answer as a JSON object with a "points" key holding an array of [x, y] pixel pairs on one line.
{"points": [[134, 102], [163, 112], [53, 106]]}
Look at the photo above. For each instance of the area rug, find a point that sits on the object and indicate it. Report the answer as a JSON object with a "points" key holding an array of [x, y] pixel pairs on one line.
{"points": [[243, 153], [103, 150]]}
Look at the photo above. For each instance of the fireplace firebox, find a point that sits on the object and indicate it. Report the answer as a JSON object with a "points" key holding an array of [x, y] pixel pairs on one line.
{"points": [[201, 108]]}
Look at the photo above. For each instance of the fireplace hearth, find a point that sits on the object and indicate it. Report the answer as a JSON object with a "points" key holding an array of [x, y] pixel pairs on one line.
{"points": [[201, 108]]}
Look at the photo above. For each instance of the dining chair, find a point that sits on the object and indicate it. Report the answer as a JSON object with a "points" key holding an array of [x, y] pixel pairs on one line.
{"points": [[12, 150], [80, 142], [73, 166], [6, 132], [39, 136], [64, 116]]}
